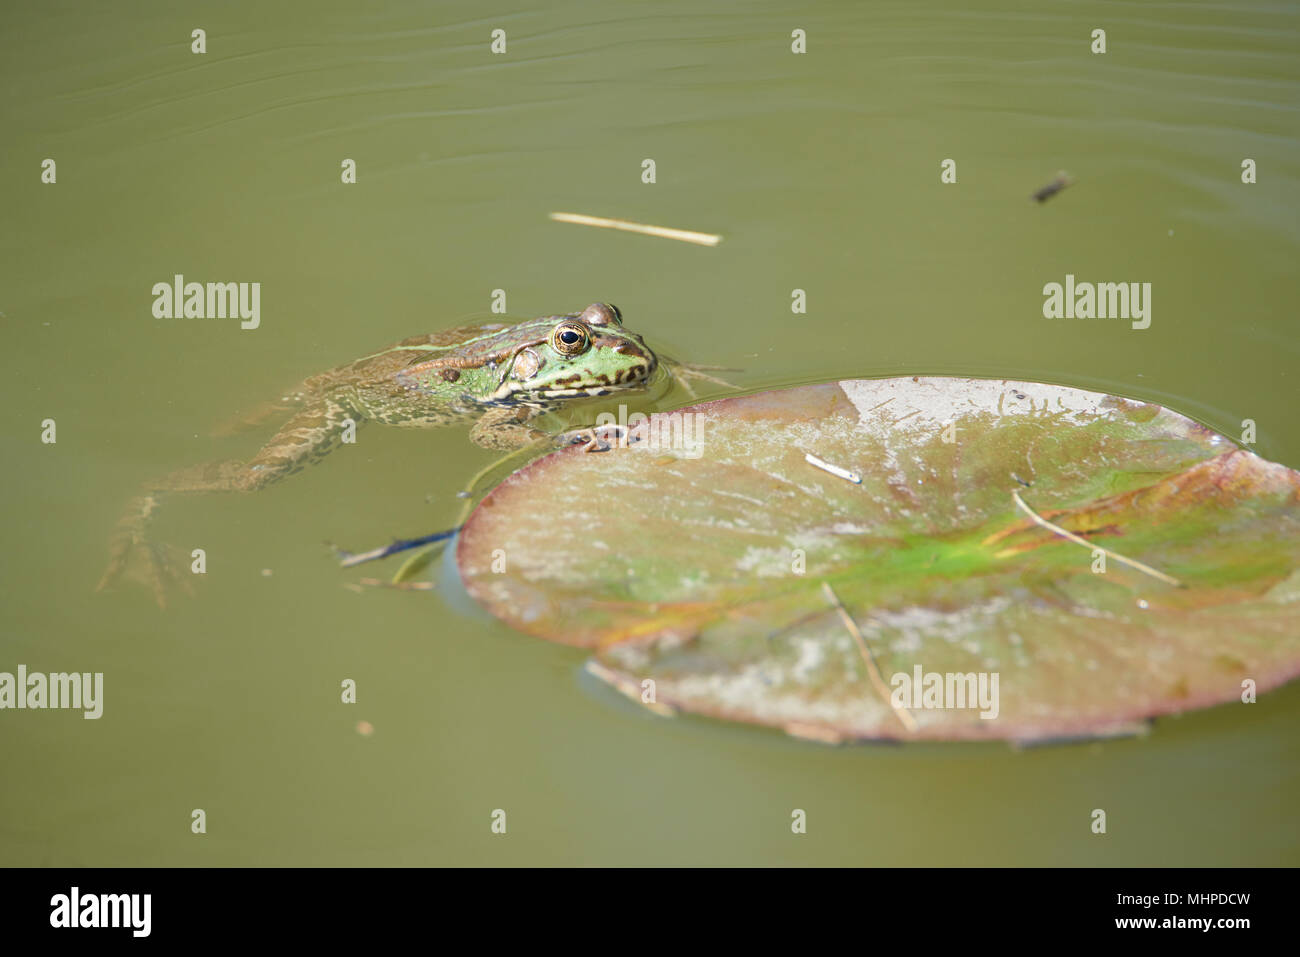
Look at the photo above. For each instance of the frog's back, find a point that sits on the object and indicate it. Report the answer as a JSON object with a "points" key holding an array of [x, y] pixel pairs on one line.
{"points": [[460, 347]]}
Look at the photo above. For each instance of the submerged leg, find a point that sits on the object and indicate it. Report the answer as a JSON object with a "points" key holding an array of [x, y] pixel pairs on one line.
{"points": [[303, 440], [259, 415], [507, 430], [504, 430]]}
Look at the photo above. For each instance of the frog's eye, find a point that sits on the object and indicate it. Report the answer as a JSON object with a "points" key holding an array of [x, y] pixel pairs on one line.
{"points": [[602, 314], [570, 338]]}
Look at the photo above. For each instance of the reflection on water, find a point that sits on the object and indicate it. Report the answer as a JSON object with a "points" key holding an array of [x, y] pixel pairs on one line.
{"points": [[822, 172]]}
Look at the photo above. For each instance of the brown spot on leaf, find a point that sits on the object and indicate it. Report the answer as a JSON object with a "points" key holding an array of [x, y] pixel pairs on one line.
{"points": [[1229, 664]]}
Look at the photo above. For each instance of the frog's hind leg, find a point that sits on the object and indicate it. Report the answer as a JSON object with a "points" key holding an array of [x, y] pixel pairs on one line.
{"points": [[302, 441], [305, 438], [258, 415]]}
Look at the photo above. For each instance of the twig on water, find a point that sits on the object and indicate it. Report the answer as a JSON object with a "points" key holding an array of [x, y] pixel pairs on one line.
{"points": [[663, 232]]}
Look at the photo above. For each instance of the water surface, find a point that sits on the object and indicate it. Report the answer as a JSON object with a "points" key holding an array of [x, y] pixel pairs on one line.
{"points": [[821, 170]]}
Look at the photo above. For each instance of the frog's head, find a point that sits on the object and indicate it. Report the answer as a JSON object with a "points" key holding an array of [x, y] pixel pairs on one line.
{"points": [[587, 354]]}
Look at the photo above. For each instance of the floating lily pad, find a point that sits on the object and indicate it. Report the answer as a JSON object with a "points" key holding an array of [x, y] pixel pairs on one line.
{"points": [[750, 585]]}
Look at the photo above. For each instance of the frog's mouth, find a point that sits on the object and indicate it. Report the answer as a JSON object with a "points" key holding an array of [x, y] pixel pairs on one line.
{"points": [[583, 383], [630, 377]]}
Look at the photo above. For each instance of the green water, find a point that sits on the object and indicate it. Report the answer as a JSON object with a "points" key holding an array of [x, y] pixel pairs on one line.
{"points": [[822, 172]]}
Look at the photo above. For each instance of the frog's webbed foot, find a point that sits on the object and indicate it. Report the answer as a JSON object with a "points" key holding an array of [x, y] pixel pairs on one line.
{"points": [[599, 438], [133, 555], [303, 439], [682, 372]]}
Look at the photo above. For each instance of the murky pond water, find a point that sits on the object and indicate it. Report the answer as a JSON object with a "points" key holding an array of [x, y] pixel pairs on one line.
{"points": [[823, 173]]}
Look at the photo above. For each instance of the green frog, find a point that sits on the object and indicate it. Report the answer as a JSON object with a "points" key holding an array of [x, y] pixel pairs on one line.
{"points": [[496, 377]]}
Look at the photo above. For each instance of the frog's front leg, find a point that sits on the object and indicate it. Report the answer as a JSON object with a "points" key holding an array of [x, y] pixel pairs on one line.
{"points": [[505, 430], [306, 437]]}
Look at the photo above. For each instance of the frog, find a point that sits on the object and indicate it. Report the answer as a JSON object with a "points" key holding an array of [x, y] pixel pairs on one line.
{"points": [[497, 378]]}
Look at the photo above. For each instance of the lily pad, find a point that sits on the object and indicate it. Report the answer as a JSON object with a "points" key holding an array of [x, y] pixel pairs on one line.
{"points": [[1108, 560]]}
